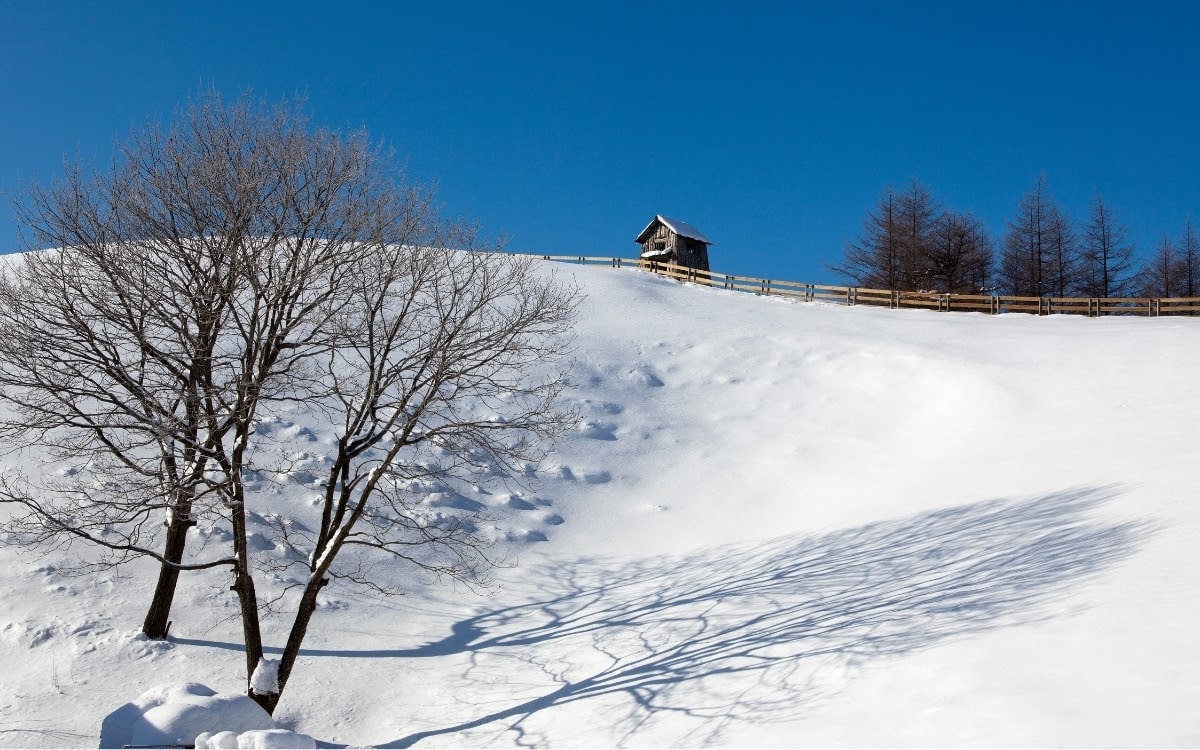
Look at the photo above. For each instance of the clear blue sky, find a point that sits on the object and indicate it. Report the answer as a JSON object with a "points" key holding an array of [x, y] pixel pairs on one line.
{"points": [[772, 127]]}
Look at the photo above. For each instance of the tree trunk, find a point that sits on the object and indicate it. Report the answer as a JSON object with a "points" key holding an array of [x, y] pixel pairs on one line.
{"points": [[157, 620], [304, 613], [243, 586]]}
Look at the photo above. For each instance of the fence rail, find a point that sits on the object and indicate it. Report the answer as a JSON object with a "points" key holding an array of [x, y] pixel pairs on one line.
{"points": [[851, 295]]}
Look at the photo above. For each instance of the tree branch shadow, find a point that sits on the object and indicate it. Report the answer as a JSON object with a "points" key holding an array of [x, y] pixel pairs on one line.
{"points": [[756, 634]]}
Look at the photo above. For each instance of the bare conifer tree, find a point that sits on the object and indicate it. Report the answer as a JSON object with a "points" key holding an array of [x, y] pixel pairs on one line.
{"points": [[1188, 272], [1040, 253], [918, 214], [1160, 276], [893, 252], [960, 257], [875, 260], [1106, 258]]}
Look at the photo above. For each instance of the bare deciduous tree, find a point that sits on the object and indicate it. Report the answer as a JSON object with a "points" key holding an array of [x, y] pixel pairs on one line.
{"points": [[239, 264]]}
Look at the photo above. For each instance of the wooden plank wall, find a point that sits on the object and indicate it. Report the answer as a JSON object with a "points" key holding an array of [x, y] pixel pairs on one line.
{"points": [[849, 295]]}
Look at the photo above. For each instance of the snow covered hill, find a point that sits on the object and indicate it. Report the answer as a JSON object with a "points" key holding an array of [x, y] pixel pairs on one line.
{"points": [[776, 524]]}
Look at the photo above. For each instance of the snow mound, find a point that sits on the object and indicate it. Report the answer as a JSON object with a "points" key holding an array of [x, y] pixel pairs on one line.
{"points": [[266, 677], [254, 740], [182, 714]]}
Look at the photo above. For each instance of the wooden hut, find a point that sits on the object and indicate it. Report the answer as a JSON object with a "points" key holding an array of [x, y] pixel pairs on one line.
{"points": [[667, 240]]}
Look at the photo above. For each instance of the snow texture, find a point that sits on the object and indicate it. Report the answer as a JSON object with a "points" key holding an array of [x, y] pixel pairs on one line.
{"points": [[775, 524], [255, 739]]}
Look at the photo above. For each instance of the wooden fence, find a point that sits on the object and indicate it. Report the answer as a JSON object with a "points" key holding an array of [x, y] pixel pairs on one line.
{"points": [[852, 295]]}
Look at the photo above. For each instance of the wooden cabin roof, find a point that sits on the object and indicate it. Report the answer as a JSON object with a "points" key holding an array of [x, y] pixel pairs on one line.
{"points": [[681, 228]]}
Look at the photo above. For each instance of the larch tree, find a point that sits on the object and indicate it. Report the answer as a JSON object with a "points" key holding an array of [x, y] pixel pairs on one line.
{"points": [[893, 252], [1159, 277], [1040, 254], [1188, 273], [875, 260], [1106, 257], [918, 217], [959, 260]]}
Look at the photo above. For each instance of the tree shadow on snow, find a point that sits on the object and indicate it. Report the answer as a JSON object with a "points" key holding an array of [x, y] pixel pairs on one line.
{"points": [[755, 633]]}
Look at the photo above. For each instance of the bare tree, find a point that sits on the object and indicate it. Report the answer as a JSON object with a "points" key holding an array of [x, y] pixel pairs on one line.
{"points": [[237, 264], [1160, 276], [442, 391], [960, 256], [918, 214], [875, 260], [1188, 272], [896, 243], [1106, 257], [1040, 253]]}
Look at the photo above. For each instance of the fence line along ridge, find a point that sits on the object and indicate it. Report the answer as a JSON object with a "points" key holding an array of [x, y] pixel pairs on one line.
{"points": [[943, 302]]}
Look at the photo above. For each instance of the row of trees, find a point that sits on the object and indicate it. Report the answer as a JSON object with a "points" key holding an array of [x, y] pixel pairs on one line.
{"points": [[238, 266], [910, 242]]}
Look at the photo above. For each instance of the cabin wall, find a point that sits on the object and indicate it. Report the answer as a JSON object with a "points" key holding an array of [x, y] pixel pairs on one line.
{"points": [[684, 251], [664, 235]]}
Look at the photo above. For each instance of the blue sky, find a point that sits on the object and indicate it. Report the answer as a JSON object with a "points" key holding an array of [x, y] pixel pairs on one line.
{"points": [[773, 127]]}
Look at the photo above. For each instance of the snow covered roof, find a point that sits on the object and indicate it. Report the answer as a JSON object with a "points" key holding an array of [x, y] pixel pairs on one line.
{"points": [[681, 228]]}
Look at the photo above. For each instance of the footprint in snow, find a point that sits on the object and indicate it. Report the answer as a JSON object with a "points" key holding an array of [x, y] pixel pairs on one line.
{"points": [[644, 376], [520, 503], [597, 430]]}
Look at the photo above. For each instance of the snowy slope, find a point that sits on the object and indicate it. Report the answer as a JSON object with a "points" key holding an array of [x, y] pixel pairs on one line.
{"points": [[777, 524]]}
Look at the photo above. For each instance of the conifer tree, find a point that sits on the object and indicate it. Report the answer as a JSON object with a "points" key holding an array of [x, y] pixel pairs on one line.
{"points": [[1106, 257]]}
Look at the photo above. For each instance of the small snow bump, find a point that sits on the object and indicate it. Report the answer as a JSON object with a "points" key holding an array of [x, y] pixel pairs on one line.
{"points": [[597, 430], [519, 503], [644, 376]]}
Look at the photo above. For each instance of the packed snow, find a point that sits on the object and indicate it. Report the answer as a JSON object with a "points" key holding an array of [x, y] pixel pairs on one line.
{"points": [[776, 524]]}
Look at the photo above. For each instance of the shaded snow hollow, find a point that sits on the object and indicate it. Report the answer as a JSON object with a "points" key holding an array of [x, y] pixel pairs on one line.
{"points": [[776, 524]]}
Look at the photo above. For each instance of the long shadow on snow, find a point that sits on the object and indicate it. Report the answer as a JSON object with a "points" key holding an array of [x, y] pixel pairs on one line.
{"points": [[757, 632], [753, 633]]}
